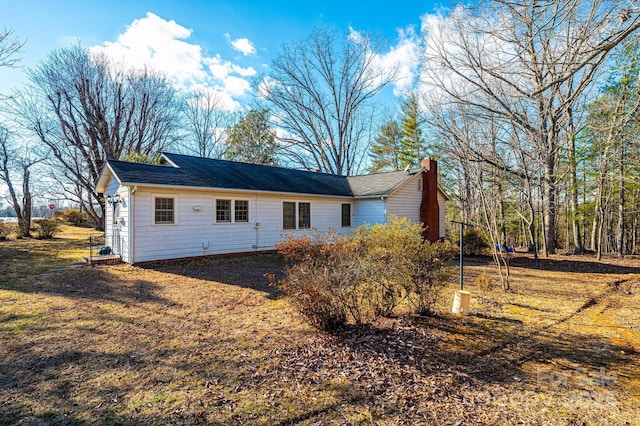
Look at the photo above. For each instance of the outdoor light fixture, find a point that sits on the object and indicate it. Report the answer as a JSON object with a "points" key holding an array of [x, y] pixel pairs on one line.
{"points": [[113, 199]]}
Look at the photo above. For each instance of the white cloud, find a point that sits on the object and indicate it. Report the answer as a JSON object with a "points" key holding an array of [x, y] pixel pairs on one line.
{"points": [[449, 41], [403, 59], [163, 45], [266, 85], [155, 42], [220, 99], [223, 72], [242, 45]]}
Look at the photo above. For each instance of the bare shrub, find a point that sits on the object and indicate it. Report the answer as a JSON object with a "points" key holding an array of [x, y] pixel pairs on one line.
{"points": [[75, 217], [335, 279], [483, 282], [475, 242], [407, 266], [322, 284], [5, 230], [47, 228]]}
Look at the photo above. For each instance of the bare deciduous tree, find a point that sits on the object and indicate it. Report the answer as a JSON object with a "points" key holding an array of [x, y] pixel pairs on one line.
{"points": [[9, 48], [14, 160], [515, 61], [319, 91], [613, 129], [85, 110], [207, 121]]}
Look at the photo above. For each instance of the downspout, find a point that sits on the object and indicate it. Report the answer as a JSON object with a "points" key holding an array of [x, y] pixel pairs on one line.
{"points": [[386, 216], [132, 227], [256, 225]]}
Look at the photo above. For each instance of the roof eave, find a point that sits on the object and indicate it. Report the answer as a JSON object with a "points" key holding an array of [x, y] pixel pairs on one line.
{"points": [[105, 176], [446, 196], [164, 155], [371, 196], [212, 188]]}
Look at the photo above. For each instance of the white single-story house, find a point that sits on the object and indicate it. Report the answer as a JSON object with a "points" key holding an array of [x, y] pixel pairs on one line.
{"points": [[194, 206]]}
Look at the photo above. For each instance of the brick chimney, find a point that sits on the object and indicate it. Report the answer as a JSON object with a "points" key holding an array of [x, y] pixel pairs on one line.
{"points": [[429, 211]]}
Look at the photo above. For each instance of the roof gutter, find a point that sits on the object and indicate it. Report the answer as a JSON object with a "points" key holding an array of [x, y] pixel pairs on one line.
{"points": [[247, 191], [371, 197]]}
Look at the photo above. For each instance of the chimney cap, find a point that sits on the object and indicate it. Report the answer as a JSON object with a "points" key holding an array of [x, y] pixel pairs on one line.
{"points": [[429, 163]]}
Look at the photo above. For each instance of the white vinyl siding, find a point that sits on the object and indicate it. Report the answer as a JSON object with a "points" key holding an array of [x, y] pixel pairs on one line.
{"points": [[405, 201], [117, 220], [196, 235], [369, 211]]}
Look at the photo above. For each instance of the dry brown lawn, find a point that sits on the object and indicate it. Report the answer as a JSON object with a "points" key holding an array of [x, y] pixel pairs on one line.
{"points": [[208, 341]]}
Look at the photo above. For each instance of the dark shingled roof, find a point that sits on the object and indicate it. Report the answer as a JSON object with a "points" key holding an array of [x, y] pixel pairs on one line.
{"points": [[210, 173]]}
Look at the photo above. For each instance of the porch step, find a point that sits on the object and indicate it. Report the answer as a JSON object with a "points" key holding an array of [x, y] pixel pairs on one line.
{"points": [[103, 259]]}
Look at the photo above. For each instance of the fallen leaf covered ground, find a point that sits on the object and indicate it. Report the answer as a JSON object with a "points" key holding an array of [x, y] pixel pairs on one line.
{"points": [[208, 341]]}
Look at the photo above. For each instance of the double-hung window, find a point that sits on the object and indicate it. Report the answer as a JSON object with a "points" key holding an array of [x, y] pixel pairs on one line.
{"points": [[164, 211], [223, 211], [304, 215], [288, 215], [241, 211], [296, 215], [232, 211]]}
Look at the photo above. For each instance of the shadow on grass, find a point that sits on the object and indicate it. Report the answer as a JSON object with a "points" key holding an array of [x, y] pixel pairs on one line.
{"points": [[246, 271], [573, 265], [88, 284], [578, 263], [52, 381], [17, 262], [488, 349]]}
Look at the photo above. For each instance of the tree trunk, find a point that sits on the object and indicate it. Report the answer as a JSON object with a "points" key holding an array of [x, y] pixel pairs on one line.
{"points": [[532, 231], [594, 226], [578, 247], [599, 241], [24, 224], [621, 204], [634, 235], [550, 211], [26, 202]]}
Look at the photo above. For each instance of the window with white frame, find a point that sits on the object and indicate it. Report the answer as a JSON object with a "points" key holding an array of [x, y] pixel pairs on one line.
{"points": [[241, 210], [223, 211], [288, 215], [296, 215], [304, 215], [164, 211], [232, 211], [346, 215]]}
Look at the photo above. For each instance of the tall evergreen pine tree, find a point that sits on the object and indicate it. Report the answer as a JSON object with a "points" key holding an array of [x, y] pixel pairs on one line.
{"points": [[385, 149], [411, 140]]}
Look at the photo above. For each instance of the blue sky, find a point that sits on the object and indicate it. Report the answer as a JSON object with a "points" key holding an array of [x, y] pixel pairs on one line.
{"points": [[218, 44]]}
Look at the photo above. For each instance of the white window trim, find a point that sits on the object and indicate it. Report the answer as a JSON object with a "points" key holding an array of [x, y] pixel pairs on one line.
{"points": [[296, 215], [215, 210], [233, 210], [232, 216], [350, 215], [176, 204]]}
